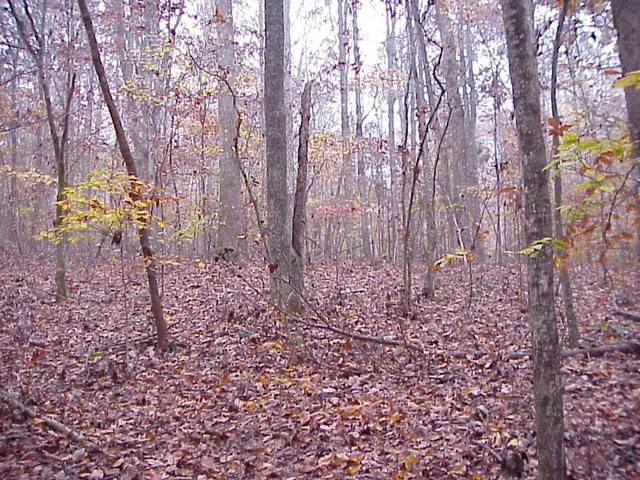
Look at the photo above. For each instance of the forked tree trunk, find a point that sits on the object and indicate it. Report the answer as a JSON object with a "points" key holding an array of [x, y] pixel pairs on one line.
{"points": [[59, 141], [345, 178], [547, 380], [134, 191], [423, 81]]}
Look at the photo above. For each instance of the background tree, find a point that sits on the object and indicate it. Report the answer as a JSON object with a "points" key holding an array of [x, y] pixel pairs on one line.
{"points": [[365, 235], [34, 40]]}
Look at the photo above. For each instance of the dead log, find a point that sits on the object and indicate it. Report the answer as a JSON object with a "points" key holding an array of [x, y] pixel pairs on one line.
{"points": [[625, 313], [627, 347], [47, 420]]}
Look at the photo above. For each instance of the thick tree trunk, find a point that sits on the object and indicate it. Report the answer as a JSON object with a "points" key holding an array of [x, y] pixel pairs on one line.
{"points": [[547, 380], [230, 215], [626, 18], [278, 242], [299, 224], [134, 192]]}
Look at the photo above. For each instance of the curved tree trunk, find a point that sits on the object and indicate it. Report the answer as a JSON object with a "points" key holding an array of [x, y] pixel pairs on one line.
{"points": [[134, 192]]}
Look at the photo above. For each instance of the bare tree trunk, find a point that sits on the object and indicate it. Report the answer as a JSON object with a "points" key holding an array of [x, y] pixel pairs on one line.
{"points": [[547, 380], [497, 167], [457, 137], [471, 96], [565, 280], [134, 192], [14, 232], [299, 224], [365, 233], [429, 175], [61, 243], [626, 18], [393, 213], [37, 52], [230, 216], [279, 243], [345, 179]]}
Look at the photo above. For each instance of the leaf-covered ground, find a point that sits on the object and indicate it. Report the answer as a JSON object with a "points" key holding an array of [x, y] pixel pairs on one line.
{"points": [[245, 393]]}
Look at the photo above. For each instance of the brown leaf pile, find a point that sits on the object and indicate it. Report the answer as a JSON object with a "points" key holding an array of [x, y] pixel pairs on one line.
{"points": [[247, 393]]}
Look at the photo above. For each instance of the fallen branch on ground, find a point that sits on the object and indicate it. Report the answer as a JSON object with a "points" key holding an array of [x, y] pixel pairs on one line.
{"points": [[50, 422], [627, 347], [325, 325], [625, 313], [357, 336]]}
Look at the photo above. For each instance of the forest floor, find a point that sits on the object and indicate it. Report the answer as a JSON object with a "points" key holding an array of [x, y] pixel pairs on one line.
{"points": [[247, 393]]}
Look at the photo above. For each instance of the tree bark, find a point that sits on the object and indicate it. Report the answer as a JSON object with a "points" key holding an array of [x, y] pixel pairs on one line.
{"points": [[547, 381], [392, 207], [365, 233], [626, 18], [230, 213], [134, 192], [299, 224], [456, 138], [279, 243], [428, 282], [14, 232], [474, 200]]}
